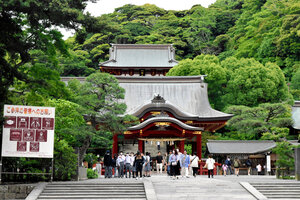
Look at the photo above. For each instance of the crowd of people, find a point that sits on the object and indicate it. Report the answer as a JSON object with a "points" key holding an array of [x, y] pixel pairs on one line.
{"points": [[227, 167], [175, 164], [138, 165]]}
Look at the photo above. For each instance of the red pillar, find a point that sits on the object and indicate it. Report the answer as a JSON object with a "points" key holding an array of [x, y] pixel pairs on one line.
{"points": [[194, 147], [181, 146], [115, 144], [199, 146], [141, 146]]}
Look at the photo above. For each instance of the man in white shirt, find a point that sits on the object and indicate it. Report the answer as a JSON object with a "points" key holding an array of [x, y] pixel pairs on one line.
{"points": [[210, 164], [128, 165], [259, 168], [120, 164]]}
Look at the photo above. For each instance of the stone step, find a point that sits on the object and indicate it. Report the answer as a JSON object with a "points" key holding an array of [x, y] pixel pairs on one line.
{"points": [[99, 185], [129, 193], [278, 184], [102, 183], [284, 196], [97, 198], [89, 190], [282, 193], [90, 197], [279, 191], [275, 185], [86, 186], [277, 188]]}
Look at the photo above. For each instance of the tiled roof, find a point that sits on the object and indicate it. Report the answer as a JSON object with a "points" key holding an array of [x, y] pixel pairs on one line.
{"points": [[239, 146], [187, 93], [141, 56]]}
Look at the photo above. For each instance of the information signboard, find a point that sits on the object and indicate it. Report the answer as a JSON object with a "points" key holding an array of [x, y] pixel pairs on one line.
{"points": [[28, 131]]}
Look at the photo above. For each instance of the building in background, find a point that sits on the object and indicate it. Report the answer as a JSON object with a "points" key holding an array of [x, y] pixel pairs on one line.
{"points": [[173, 111]]}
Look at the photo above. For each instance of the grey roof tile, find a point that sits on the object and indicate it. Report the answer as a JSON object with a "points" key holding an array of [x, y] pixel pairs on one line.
{"points": [[141, 55], [239, 146], [187, 93]]}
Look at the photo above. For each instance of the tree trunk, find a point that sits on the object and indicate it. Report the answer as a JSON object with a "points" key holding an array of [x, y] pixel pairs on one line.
{"points": [[83, 148]]}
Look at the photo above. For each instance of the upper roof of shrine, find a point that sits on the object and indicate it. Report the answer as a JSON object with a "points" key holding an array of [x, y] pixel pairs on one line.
{"points": [[141, 56], [186, 96]]}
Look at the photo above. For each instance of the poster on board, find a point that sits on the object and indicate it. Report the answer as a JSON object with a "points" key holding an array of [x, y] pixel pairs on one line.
{"points": [[28, 131]]}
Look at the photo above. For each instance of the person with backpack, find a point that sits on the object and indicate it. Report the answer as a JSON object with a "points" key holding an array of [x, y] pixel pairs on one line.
{"points": [[194, 164], [249, 166], [236, 165], [228, 163]]}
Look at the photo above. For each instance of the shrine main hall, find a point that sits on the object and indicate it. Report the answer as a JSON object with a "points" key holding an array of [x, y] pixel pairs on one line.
{"points": [[172, 110]]}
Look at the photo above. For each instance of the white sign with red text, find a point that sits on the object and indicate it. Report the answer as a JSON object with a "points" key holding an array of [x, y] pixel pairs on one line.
{"points": [[28, 131]]}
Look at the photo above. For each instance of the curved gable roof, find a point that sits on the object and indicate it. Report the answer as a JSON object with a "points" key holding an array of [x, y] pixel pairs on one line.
{"points": [[165, 119]]}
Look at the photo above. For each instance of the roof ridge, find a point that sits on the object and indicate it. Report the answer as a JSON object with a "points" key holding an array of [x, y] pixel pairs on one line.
{"points": [[241, 141]]}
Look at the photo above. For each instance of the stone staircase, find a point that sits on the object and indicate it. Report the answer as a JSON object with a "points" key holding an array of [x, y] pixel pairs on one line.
{"points": [[93, 191], [279, 190]]}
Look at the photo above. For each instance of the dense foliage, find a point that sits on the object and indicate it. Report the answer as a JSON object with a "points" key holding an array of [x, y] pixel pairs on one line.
{"points": [[235, 81], [255, 122], [99, 99], [265, 30], [248, 49]]}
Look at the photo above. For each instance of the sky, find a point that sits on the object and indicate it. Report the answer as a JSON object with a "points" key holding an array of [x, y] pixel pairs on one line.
{"points": [[108, 6]]}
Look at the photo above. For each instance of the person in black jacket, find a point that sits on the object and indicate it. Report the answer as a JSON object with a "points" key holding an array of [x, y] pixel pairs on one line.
{"points": [[249, 166], [108, 164], [114, 165], [138, 163]]}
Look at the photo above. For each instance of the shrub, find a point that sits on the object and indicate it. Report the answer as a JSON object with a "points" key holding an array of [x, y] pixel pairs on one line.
{"points": [[91, 174], [65, 161]]}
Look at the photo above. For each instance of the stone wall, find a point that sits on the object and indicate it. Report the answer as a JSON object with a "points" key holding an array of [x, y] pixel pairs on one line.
{"points": [[15, 191]]}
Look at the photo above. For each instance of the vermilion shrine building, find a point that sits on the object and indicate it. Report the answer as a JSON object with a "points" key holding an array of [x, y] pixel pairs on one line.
{"points": [[172, 110]]}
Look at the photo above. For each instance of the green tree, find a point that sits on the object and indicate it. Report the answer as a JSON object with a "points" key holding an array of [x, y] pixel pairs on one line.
{"points": [[65, 161], [295, 85], [253, 122], [100, 98], [251, 83], [28, 25], [267, 31]]}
